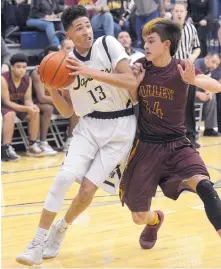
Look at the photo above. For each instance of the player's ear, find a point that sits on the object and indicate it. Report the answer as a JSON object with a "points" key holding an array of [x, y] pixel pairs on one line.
{"points": [[167, 44]]}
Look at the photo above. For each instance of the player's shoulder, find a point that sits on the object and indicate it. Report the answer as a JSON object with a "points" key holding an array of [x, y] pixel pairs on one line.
{"points": [[108, 39]]}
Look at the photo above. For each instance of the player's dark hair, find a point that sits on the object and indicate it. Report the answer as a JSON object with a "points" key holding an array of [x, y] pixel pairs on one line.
{"points": [[50, 48], [166, 29], [18, 58], [72, 13]]}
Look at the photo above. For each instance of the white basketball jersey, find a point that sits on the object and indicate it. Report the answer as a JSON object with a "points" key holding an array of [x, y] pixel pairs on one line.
{"points": [[90, 95]]}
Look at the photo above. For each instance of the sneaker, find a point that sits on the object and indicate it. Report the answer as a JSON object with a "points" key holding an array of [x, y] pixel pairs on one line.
{"points": [[8, 155], [12, 150], [35, 151], [196, 145], [32, 255], [67, 144], [211, 132], [53, 243], [47, 149], [148, 237]]}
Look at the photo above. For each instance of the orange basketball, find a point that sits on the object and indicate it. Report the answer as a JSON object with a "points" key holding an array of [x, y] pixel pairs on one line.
{"points": [[53, 71]]}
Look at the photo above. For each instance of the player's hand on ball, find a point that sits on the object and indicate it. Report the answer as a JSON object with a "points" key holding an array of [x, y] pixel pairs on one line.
{"points": [[78, 68], [188, 75]]}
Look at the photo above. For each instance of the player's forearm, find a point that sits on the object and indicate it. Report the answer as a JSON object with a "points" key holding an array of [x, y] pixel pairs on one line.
{"points": [[64, 108], [208, 84], [124, 81], [16, 107]]}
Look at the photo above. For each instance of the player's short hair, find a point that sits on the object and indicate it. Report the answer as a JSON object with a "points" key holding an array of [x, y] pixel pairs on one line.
{"points": [[166, 29], [180, 2], [18, 58], [72, 13], [50, 48]]}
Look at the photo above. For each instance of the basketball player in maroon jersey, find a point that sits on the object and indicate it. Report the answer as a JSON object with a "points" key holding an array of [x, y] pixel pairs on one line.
{"points": [[162, 155], [17, 101]]}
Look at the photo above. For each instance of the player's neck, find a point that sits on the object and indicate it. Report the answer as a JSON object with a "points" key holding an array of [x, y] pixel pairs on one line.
{"points": [[162, 62], [15, 78], [82, 51]]}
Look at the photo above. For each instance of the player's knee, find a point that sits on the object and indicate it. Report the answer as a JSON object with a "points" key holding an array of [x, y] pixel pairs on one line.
{"points": [[211, 201], [139, 218], [86, 191], [62, 182], [59, 188]]}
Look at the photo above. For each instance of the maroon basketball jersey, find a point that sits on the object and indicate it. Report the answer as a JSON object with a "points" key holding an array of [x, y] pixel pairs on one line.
{"points": [[162, 99], [16, 94]]}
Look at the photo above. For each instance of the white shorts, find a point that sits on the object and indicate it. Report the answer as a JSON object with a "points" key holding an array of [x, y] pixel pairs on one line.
{"points": [[99, 150]]}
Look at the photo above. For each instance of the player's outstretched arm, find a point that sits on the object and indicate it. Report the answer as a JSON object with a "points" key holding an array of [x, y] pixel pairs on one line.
{"points": [[123, 78], [63, 105], [201, 81]]}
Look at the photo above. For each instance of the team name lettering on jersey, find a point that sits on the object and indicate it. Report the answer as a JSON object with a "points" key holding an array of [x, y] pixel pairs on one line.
{"points": [[156, 91], [83, 82]]}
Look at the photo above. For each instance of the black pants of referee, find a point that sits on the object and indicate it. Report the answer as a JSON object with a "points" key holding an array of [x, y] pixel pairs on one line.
{"points": [[218, 98], [190, 121]]}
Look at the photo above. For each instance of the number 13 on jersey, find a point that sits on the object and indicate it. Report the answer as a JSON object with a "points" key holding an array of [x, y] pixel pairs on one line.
{"points": [[97, 94]]}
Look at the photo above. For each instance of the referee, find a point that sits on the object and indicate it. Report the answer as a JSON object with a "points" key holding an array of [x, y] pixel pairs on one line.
{"points": [[189, 49]]}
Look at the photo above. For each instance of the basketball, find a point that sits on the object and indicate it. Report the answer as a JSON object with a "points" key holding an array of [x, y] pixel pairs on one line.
{"points": [[53, 71]]}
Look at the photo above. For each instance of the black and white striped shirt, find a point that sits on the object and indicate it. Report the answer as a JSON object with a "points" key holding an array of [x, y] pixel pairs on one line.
{"points": [[189, 41]]}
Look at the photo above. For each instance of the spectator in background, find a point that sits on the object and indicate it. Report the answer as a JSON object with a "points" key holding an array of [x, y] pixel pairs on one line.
{"points": [[67, 45], [146, 12], [200, 12], [43, 100], [103, 19], [207, 65], [189, 48], [5, 57], [168, 9], [120, 10], [45, 16], [17, 101], [126, 41]]}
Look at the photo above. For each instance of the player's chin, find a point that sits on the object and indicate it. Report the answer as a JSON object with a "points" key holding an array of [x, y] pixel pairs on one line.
{"points": [[149, 57]]}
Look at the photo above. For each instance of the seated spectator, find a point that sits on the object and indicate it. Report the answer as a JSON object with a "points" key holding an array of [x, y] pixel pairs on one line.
{"points": [[67, 45], [17, 101], [45, 16], [120, 9], [5, 57], [145, 13], [126, 41], [103, 19], [208, 65], [168, 9]]}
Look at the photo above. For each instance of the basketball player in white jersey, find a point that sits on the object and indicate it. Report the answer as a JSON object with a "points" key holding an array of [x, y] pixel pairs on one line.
{"points": [[103, 137]]}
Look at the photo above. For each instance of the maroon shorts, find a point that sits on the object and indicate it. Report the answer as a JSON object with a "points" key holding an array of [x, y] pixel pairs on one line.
{"points": [[20, 115], [166, 165]]}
